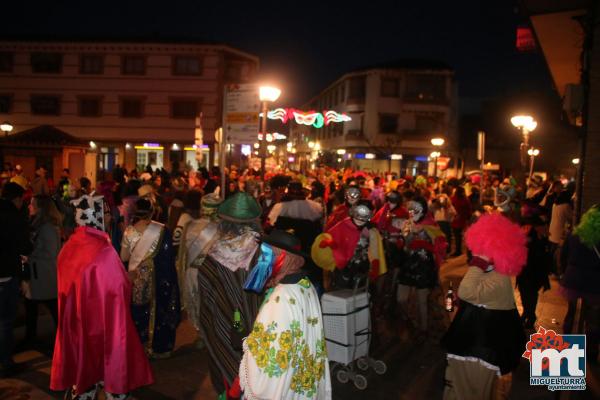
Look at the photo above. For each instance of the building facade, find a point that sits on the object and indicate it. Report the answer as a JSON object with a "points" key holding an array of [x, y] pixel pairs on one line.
{"points": [[135, 103], [395, 110]]}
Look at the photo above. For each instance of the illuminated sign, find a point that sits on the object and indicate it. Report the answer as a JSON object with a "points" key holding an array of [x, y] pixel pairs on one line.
{"points": [[316, 119]]}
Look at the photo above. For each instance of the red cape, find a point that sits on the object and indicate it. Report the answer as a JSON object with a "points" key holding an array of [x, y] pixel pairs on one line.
{"points": [[337, 215], [96, 339], [384, 222], [345, 235]]}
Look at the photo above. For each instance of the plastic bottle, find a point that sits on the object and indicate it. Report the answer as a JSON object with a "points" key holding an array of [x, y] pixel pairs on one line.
{"points": [[450, 299]]}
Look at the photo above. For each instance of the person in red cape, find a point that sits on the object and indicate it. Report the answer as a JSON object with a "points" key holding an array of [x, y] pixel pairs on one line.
{"points": [[96, 341], [351, 248], [351, 195]]}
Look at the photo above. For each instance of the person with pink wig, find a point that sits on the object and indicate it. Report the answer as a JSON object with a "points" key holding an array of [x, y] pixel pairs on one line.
{"points": [[486, 338]]}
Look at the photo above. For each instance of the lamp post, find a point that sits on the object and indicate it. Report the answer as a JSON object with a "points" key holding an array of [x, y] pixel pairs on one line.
{"points": [[6, 127], [437, 142], [526, 124], [266, 94], [533, 153], [435, 155]]}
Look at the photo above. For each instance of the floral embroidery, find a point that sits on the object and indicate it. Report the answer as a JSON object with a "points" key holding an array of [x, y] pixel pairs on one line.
{"points": [[293, 352], [305, 283]]}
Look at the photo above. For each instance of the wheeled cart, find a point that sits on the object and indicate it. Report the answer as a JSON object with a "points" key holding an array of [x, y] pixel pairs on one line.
{"points": [[347, 322]]}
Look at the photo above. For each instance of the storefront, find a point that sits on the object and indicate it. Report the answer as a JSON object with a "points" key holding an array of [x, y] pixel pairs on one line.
{"points": [[151, 154]]}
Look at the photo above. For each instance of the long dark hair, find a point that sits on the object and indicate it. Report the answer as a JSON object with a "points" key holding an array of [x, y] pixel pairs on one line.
{"points": [[46, 211]]}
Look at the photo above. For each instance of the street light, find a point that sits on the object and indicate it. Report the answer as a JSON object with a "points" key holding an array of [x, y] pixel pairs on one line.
{"points": [[438, 141], [435, 155], [266, 94], [6, 127], [575, 161], [533, 153], [525, 124]]}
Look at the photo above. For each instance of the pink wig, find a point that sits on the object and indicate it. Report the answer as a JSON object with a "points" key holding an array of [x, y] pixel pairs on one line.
{"points": [[497, 238]]}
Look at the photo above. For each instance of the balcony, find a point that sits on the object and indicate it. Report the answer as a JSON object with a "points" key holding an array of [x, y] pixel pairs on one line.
{"points": [[355, 100], [423, 98]]}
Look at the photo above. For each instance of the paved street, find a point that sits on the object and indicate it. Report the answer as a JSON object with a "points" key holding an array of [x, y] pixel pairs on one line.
{"points": [[415, 367]]}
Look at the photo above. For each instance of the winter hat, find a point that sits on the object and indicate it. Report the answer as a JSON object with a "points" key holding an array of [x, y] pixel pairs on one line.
{"points": [[241, 207]]}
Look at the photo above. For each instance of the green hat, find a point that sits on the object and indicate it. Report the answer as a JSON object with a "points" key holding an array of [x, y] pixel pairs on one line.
{"points": [[241, 207]]}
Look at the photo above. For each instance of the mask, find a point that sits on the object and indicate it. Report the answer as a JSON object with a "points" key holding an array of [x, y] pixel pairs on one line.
{"points": [[352, 195], [415, 211], [361, 214]]}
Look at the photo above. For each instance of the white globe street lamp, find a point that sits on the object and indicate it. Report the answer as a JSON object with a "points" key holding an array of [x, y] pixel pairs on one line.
{"points": [[6, 127], [533, 153], [266, 94]]}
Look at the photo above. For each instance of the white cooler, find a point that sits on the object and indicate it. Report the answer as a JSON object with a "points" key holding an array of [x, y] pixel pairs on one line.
{"points": [[345, 314]]}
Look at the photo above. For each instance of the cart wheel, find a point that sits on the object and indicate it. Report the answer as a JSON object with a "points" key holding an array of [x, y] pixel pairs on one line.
{"points": [[342, 376], [362, 363], [379, 367], [360, 382]]}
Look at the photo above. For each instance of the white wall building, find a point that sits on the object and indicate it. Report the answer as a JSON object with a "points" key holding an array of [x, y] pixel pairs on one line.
{"points": [[135, 101], [396, 110]]}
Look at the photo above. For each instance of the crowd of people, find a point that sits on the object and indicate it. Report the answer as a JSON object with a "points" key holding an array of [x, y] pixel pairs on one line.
{"points": [[116, 263]]}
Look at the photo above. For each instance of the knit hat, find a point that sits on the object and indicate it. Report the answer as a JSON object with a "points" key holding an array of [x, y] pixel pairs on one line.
{"points": [[241, 207]]}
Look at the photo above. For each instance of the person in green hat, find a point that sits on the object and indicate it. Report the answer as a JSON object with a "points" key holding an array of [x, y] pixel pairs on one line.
{"points": [[226, 311]]}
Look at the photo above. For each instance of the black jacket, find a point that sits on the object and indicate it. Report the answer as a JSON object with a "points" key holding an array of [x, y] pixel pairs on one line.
{"points": [[14, 239]]}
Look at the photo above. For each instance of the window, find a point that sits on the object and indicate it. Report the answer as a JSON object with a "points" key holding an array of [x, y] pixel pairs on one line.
{"points": [[45, 105], [423, 87], [7, 61], [184, 108], [187, 65], [48, 63], [133, 65], [91, 64], [389, 87], [357, 88], [132, 107], [90, 107], [388, 123], [429, 123], [5, 103], [233, 73]]}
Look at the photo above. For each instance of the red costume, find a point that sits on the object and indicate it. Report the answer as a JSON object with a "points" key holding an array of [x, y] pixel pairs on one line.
{"points": [[337, 215], [342, 239], [383, 218], [96, 339]]}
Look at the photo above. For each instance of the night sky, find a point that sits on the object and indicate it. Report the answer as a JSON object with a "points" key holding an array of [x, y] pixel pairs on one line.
{"points": [[303, 46]]}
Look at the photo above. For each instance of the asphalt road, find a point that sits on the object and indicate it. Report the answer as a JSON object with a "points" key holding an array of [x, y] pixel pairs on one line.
{"points": [[415, 363]]}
